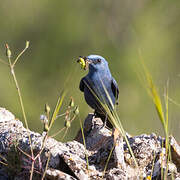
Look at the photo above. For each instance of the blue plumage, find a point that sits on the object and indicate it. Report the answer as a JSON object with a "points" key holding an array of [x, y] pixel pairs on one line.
{"points": [[97, 84]]}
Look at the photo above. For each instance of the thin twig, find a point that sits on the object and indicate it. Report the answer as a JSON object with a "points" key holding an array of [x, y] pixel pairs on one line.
{"points": [[64, 134], [46, 167], [20, 96], [60, 115], [108, 160], [2, 157], [57, 132], [24, 152], [32, 170], [21, 53], [20, 99], [3, 163], [44, 142], [84, 142]]}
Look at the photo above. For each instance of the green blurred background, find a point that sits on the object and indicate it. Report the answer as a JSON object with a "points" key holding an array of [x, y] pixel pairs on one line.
{"points": [[60, 31]]}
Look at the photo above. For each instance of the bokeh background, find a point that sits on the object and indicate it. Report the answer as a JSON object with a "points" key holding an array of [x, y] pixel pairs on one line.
{"points": [[60, 31]]}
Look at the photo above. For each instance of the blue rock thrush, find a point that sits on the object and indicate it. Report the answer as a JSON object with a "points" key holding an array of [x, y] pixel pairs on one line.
{"points": [[99, 86]]}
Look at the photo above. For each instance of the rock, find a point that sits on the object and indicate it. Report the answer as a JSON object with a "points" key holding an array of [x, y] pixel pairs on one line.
{"points": [[103, 158]]}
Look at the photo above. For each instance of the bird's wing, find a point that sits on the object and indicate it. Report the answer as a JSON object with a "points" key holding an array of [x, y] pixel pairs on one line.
{"points": [[114, 87], [82, 83]]}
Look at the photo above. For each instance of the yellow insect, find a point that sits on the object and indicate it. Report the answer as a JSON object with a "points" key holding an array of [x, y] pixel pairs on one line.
{"points": [[82, 62]]}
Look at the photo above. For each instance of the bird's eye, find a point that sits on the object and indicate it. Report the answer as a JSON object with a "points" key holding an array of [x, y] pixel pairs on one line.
{"points": [[97, 61]]}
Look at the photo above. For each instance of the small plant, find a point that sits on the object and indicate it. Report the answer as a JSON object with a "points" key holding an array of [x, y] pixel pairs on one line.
{"points": [[12, 70], [162, 114], [48, 119], [70, 114]]}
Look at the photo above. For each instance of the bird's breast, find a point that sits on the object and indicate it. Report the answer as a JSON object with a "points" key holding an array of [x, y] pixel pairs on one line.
{"points": [[99, 89]]}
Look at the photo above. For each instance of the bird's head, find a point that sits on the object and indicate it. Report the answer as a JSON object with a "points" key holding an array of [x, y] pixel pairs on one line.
{"points": [[94, 62]]}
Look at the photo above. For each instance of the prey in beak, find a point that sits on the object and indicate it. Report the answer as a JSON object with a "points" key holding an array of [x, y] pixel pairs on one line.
{"points": [[84, 62]]}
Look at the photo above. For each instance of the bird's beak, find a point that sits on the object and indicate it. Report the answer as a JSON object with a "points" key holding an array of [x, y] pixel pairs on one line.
{"points": [[84, 62]]}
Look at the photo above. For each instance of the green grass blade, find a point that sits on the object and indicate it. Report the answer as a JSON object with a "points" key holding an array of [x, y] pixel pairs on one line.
{"points": [[84, 142], [56, 110], [113, 117], [152, 91]]}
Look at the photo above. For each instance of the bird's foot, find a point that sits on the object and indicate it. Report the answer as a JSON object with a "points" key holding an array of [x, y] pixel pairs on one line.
{"points": [[105, 121]]}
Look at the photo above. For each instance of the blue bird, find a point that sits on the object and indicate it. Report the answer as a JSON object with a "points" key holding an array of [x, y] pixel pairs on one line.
{"points": [[99, 86]]}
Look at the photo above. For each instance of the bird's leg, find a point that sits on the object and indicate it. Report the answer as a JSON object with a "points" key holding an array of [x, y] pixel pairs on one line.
{"points": [[105, 121], [93, 123], [96, 114]]}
